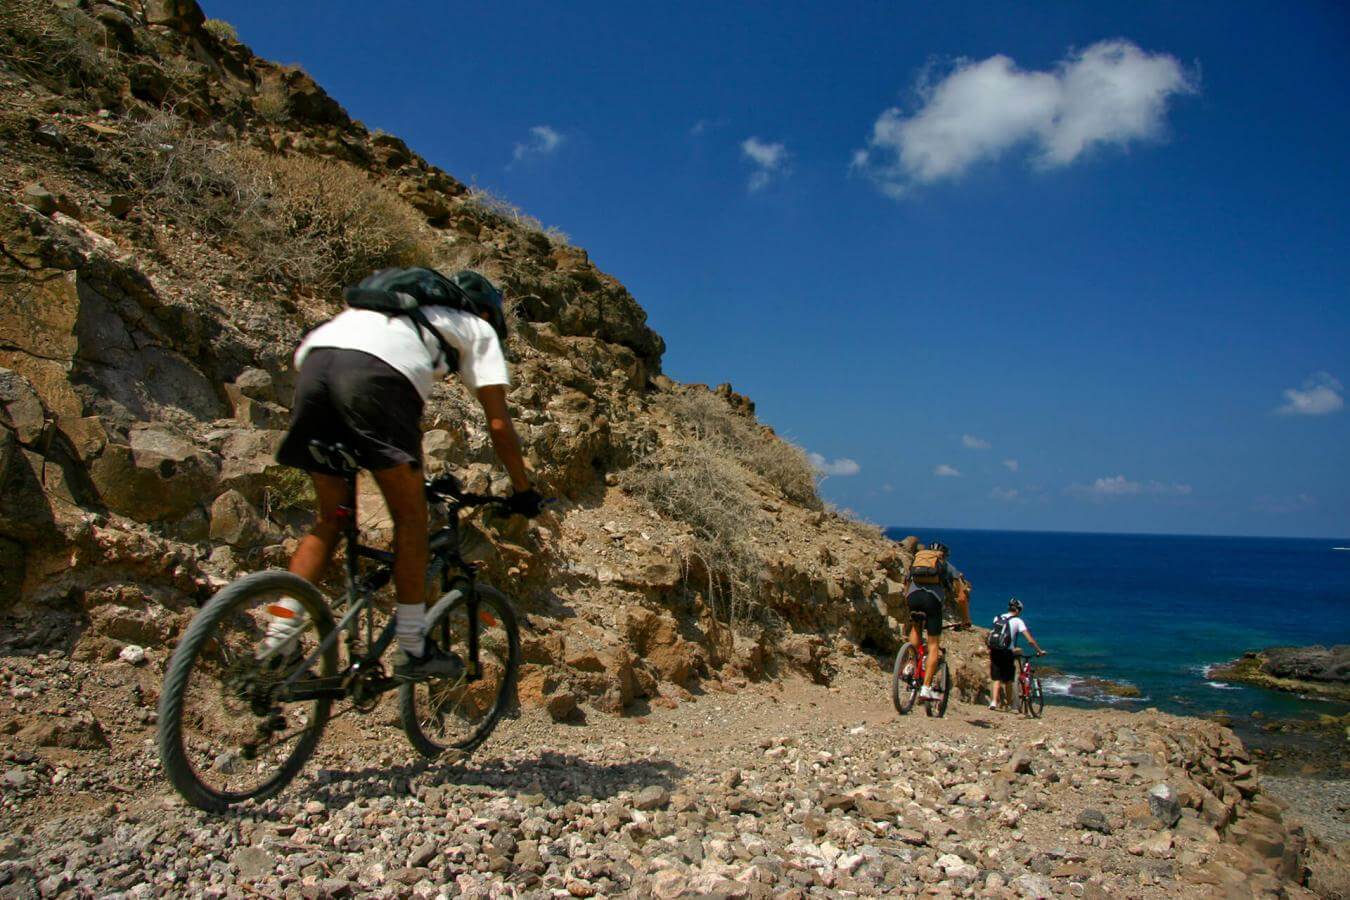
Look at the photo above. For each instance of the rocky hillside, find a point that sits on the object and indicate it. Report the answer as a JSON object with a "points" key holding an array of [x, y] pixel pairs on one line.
{"points": [[176, 212]]}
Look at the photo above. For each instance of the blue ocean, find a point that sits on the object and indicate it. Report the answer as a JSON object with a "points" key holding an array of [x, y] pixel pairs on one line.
{"points": [[1156, 611]]}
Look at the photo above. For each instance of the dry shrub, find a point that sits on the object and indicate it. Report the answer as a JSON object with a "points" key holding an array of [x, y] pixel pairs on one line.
{"points": [[311, 223], [487, 202], [221, 30], [57, 45], [782, 464], [701, 486], [287, 490], [272, 103], [325, 223]]}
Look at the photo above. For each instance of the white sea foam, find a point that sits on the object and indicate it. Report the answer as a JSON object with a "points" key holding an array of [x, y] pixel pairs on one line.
{"points": [[1080, 688], [1219, 685]]}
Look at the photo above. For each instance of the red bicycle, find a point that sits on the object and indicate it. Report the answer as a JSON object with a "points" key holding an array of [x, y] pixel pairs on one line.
{"points": [[1030, 697], [907, 679]]}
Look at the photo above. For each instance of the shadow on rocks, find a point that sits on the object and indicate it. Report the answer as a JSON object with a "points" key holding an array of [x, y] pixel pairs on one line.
{"points": [[556, 777]]}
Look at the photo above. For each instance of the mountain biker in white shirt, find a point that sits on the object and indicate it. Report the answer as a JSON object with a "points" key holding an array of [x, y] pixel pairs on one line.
{"points": [[1003, 662], [364, 378]]}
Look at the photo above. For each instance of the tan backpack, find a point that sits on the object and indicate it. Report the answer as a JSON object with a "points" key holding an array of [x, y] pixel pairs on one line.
{"points": [[928, 568]]}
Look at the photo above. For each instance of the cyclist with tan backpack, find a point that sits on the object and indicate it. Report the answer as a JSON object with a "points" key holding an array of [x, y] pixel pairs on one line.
{"points": [[931, 581]]}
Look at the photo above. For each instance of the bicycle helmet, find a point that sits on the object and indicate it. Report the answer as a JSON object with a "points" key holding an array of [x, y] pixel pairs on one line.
{"points": [[1015, 606], [484, 298], [939, 547]]}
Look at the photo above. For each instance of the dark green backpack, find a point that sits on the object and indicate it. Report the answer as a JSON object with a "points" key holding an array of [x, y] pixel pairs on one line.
{"points": [[403, 292]]}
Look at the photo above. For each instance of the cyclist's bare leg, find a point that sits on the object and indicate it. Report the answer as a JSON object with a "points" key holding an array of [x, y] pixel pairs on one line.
{"points": [[934, 654], [405, 495], [316, 548]]}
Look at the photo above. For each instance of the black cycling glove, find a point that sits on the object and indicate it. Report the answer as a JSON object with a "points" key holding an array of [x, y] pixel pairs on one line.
{"points": [[528, 503]]}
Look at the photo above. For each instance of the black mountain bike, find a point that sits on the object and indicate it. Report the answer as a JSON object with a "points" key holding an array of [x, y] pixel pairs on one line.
{"points": [[237, 722]]}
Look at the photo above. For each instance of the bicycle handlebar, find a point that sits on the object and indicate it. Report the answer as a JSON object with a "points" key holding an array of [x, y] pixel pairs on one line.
{"points": [[447, 487]]}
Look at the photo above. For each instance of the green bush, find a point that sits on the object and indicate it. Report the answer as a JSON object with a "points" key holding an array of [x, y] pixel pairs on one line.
{"points": [[287, 490]]}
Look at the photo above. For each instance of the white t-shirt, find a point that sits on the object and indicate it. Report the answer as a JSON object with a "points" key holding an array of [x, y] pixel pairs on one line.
{"points": [[396, 341], [1016, 627]]}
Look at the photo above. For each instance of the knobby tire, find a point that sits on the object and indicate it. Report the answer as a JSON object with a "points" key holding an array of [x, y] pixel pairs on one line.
{"points": [[904, 690], [172, 752], [440, 619]]}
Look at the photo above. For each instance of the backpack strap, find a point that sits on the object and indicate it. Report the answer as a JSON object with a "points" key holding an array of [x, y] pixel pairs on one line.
{"points": [[449, 355]]}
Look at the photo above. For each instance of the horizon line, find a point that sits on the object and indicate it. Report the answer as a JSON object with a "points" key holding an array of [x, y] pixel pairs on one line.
{"points": [[1182, 534]]}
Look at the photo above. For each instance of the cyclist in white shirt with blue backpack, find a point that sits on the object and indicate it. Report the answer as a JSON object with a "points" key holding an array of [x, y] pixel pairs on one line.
{"points": [[1002, 644]]}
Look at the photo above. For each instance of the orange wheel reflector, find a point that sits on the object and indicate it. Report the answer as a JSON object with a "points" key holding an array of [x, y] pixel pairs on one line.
{"points": [[281, 612], [487, 618]]}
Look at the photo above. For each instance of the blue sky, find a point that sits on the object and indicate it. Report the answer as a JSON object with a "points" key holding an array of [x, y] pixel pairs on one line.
{"points": [[1095, 258]]}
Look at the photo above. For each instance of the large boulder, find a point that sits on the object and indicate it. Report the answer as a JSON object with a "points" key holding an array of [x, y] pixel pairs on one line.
{"points": [[180, 15], [234, 521], [21, 408], [156, 476]]}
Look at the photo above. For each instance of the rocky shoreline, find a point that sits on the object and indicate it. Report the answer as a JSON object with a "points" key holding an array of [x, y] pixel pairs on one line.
{"points": [[1317, 671]]}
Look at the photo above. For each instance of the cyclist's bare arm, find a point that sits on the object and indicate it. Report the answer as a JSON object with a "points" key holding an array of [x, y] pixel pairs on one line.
{"points": [[1032, 641], [503, 434]]}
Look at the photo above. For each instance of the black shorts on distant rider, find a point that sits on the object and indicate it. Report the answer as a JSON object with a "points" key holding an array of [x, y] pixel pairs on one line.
{"points": [[930, 604]]}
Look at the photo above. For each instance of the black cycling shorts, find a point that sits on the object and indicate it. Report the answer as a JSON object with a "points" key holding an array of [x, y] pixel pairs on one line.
{"points": [[353, 398], [929, 604], [1002, 665]]}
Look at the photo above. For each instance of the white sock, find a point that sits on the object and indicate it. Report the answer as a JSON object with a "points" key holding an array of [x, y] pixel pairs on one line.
{"points": [[412, 621], [285, 620]]}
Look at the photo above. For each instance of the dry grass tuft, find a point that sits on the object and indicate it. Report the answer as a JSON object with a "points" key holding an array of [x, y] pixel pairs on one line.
{"points": [[54, 44], [782, 464], [313, 224], [221, 30], [704, 488], [706, 484], [487, 202]]}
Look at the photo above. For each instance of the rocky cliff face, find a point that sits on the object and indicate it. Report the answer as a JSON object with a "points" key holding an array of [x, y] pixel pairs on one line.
{"points": [[176, 212]]}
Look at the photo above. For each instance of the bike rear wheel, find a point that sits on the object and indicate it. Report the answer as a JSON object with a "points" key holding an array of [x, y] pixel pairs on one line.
{"points": [[904, 684], [1035, 702], [226, 734], [440, 714], [942, 682]]}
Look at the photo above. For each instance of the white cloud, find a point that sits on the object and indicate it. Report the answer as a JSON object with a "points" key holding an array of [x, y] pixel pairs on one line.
{"points": [[946, 471], [1320, 396], [887, 488], [1011, 465], [975, 443], [1120, 486], [770, 161], [1112, 93], [842, 467], [543, 141], [1007, 495]]}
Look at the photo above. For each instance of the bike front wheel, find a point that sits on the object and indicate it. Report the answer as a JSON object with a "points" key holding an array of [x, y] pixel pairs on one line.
{"points": [[942, 682], [441, 714], [1035, 701], [227, 730], [904, 681]]}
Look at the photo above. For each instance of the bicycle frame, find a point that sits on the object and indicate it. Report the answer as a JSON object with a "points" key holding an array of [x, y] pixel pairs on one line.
{"points": [[445, 560]]}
